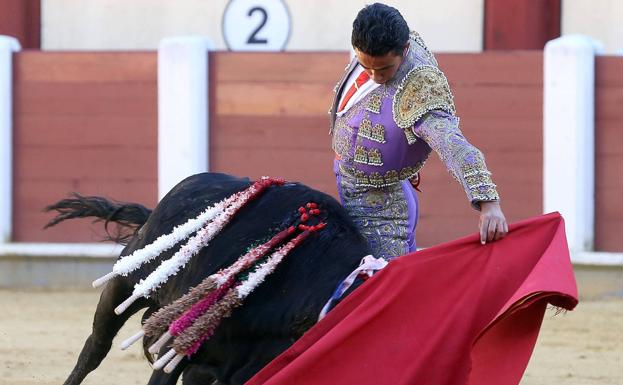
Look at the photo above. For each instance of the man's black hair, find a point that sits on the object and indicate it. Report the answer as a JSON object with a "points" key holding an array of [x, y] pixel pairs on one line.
{"points": [[379, 29]]}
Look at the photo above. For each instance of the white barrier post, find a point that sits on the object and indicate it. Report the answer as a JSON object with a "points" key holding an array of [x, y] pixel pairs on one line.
{"points": [[8, 45], [569, 135], [183, 125]]}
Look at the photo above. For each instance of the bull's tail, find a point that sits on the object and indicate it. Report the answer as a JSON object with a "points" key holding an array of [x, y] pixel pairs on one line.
{"points": [[127, 216]]}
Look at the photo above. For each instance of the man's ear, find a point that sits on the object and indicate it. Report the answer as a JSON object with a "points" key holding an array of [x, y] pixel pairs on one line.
{"points": [[406, 48]]}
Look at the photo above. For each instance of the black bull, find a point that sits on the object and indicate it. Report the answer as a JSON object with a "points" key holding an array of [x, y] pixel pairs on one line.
{"points": [[275, 315]]}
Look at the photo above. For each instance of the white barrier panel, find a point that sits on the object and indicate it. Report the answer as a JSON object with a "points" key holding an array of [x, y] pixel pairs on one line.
{"points": [[8, 45], [569, 136], [182, 109]]}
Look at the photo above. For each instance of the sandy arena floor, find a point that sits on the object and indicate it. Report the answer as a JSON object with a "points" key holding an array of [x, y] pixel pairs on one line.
{"points": [[41, 334]]}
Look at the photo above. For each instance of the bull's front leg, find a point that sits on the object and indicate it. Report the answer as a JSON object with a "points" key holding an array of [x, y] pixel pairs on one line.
{"points": [[106, 324]]}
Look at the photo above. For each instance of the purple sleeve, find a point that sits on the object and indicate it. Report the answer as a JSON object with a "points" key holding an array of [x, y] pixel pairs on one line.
{"points": [[465, 162]]}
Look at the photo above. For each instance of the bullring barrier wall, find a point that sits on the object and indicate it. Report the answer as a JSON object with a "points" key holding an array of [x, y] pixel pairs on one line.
{"points": [[88, 122]]}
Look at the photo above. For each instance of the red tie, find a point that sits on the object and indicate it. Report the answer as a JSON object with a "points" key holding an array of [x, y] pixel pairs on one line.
{"points": [[361, 79]]}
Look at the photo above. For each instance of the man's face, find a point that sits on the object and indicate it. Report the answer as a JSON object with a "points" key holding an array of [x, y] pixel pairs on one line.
{"points": [[380, 68]]}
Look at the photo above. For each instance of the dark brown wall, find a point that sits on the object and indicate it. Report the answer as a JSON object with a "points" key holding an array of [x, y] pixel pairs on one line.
{"points": [[608, 153], [84, 122], [520, 24], [21, 19]]}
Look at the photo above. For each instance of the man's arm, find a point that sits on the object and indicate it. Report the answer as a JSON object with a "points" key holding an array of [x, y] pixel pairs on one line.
{"points": [[467, 165]]}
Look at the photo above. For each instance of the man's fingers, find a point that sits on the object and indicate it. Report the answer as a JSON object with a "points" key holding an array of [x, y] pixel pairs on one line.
{"points": [[491, 230], [501, 230], [484, 225], [499, 234], [505, 230]]}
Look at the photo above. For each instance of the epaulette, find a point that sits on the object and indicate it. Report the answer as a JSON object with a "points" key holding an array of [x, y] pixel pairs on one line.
{"points": [[423, 89]]}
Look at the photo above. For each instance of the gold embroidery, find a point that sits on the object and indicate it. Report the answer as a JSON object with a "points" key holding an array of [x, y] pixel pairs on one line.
{"points": [[374, 103], [371, 156], [374, 157], [391, 177], [411, 137], [341, 145], [361, 155], [380, 214], [478, 180], [408, 172], [376, 133], [361, 177], [341, 139], [376, 179], [423, 89], [365, 128], [375, 198]]}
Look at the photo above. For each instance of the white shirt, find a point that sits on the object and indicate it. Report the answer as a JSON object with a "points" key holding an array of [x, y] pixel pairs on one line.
{"points": [[364, 90]]}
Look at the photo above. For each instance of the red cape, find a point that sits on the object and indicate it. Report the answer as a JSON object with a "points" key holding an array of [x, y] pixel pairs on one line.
{"points": [[457, 313]]}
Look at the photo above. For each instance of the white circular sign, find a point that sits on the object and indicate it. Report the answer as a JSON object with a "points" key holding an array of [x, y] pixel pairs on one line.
{"points": [[256, 25]]}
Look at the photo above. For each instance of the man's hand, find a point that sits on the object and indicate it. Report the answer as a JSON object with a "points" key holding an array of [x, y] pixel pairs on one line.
{"points": [[492, 224]]}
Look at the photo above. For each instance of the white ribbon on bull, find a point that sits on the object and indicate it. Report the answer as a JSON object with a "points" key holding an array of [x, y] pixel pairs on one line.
{"points": [[133, 261], [368, 266], [201, 239]]}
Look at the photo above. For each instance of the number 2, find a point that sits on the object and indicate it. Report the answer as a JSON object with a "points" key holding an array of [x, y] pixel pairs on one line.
{"points": [[253, 39]]}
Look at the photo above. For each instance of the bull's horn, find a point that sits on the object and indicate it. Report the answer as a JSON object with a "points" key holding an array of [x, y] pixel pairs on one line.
{"points": [[126, 344]]}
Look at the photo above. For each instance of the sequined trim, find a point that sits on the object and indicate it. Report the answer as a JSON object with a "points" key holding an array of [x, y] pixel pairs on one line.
{"points": [[341, 145], [337, 85], [361, 155], [410, 172], [411, 137], [478, 181], [464, 161], [374, 157], [381, 214], [391, 177], [376, 133], [367, 156], [425, 88], [374, 103], [376, 179], [418, 39], [341, 128], [365, 128]]}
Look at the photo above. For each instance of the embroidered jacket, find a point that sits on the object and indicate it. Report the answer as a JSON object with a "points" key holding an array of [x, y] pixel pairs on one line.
{"points": [[387, 135]]}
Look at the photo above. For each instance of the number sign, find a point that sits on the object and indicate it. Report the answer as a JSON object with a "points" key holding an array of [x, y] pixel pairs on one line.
{"points": [[256, 25]]}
